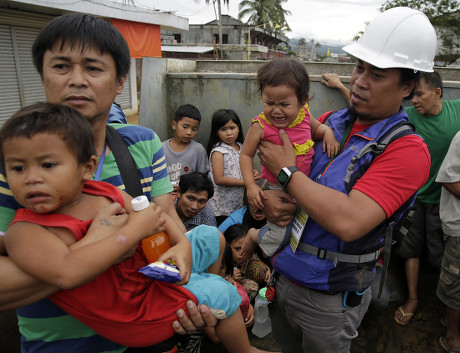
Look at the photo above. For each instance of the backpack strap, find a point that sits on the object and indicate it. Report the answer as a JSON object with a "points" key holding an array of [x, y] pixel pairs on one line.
{"points": [[379, 146], [125, 162]]}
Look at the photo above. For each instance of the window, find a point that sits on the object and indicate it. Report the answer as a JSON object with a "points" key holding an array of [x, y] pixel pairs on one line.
{"points": [[224, 38]]}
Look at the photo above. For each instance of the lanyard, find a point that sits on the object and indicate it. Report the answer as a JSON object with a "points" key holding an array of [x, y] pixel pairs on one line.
{"points": [[342, 143], [99, 165]]}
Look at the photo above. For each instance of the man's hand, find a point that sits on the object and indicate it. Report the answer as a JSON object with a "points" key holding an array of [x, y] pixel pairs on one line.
{"points": [[199, 319], [331, 80], [279, 207], [275, 157]]}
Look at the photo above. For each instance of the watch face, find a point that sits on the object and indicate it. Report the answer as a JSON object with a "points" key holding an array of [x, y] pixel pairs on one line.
{"points": [[282, 177]]}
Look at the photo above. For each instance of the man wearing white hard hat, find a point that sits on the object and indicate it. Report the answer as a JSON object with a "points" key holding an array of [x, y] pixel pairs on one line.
{"points": [[323, 275]]}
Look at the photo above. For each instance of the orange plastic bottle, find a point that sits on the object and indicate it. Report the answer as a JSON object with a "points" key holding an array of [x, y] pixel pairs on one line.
{"points": [[156, 244]]}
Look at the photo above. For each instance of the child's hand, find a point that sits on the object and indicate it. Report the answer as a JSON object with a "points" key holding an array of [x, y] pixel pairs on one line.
{"points": [[147, 222], [107, 221], [181, 253], [249, 319], [237, 275], [175, 188], [330, 143], [255, 196]]}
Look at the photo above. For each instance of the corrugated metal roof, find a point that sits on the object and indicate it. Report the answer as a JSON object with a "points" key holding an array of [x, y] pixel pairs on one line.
{"points": [[187, 49]]}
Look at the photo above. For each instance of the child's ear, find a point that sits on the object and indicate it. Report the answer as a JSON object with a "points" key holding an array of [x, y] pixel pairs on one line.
{"points": [[173, 124], [89, 168]]}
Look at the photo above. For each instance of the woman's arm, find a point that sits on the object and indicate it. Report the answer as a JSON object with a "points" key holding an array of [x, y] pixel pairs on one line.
{"points": [[217, 160]]}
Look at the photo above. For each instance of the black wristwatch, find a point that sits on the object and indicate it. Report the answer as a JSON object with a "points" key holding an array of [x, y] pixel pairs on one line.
{"points": [[285, 175]]}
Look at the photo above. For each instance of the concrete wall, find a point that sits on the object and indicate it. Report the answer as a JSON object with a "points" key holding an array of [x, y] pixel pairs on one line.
{"points": [[211, 85]]}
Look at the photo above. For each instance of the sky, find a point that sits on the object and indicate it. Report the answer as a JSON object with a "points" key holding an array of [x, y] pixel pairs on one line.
{"points": [[326, 21]]}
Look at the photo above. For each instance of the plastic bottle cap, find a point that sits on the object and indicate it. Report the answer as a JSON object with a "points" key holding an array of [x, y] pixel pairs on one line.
{"points": [[140, 202], [262, 292]]}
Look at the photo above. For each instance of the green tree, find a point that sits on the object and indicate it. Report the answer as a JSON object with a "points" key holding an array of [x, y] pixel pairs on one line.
{"points": [[268, 12], [302, 42], [445, 17]]}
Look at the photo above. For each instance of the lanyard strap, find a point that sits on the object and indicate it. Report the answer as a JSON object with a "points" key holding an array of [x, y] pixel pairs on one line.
{"points": [[342, 143], [97, 175]]}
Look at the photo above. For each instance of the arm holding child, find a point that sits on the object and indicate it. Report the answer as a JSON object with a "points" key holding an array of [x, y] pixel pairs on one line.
{"points": [[54, 261], [19, 288]]}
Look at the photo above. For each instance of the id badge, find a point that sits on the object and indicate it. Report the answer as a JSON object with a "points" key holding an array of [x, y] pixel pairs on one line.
{"points": [[298, 225]]}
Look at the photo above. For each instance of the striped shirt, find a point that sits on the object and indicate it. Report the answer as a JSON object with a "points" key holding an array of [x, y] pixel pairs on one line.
{"points": [[44, 326]]}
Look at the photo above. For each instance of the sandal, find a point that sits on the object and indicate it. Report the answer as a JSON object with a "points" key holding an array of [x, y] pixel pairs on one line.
{"points": [[407, 317], [443, 344]]}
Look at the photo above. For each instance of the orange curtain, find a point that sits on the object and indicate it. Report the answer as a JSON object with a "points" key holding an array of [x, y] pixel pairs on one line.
{"points": [[143, 38]]}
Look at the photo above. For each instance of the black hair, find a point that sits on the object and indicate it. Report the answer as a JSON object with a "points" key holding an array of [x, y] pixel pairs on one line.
{"points": [[406, 77], [187, 111], [235, 232], [196, 182], [285, 71], [82, 31], [227, 260], [433, 80], [219, 119], [63, 121]]}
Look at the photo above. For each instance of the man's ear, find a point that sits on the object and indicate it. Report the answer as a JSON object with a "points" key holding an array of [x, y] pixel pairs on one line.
{"points": [[438, 92], [89, 168], [121, 84], [408, 88]]}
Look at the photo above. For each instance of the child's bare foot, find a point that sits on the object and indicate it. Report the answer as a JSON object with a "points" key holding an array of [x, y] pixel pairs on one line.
{"points": [[250, 243]]}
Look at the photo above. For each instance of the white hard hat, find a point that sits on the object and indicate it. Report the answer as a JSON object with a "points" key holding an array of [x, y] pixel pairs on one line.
{"points": [[400, 37]]}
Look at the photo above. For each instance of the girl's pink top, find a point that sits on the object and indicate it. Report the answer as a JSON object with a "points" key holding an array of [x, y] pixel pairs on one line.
{"points": [[299, 133]]}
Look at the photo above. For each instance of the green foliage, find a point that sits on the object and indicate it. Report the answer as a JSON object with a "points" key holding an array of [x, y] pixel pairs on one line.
{"points": [[268, 12], [302, 42], [445, 17]]}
